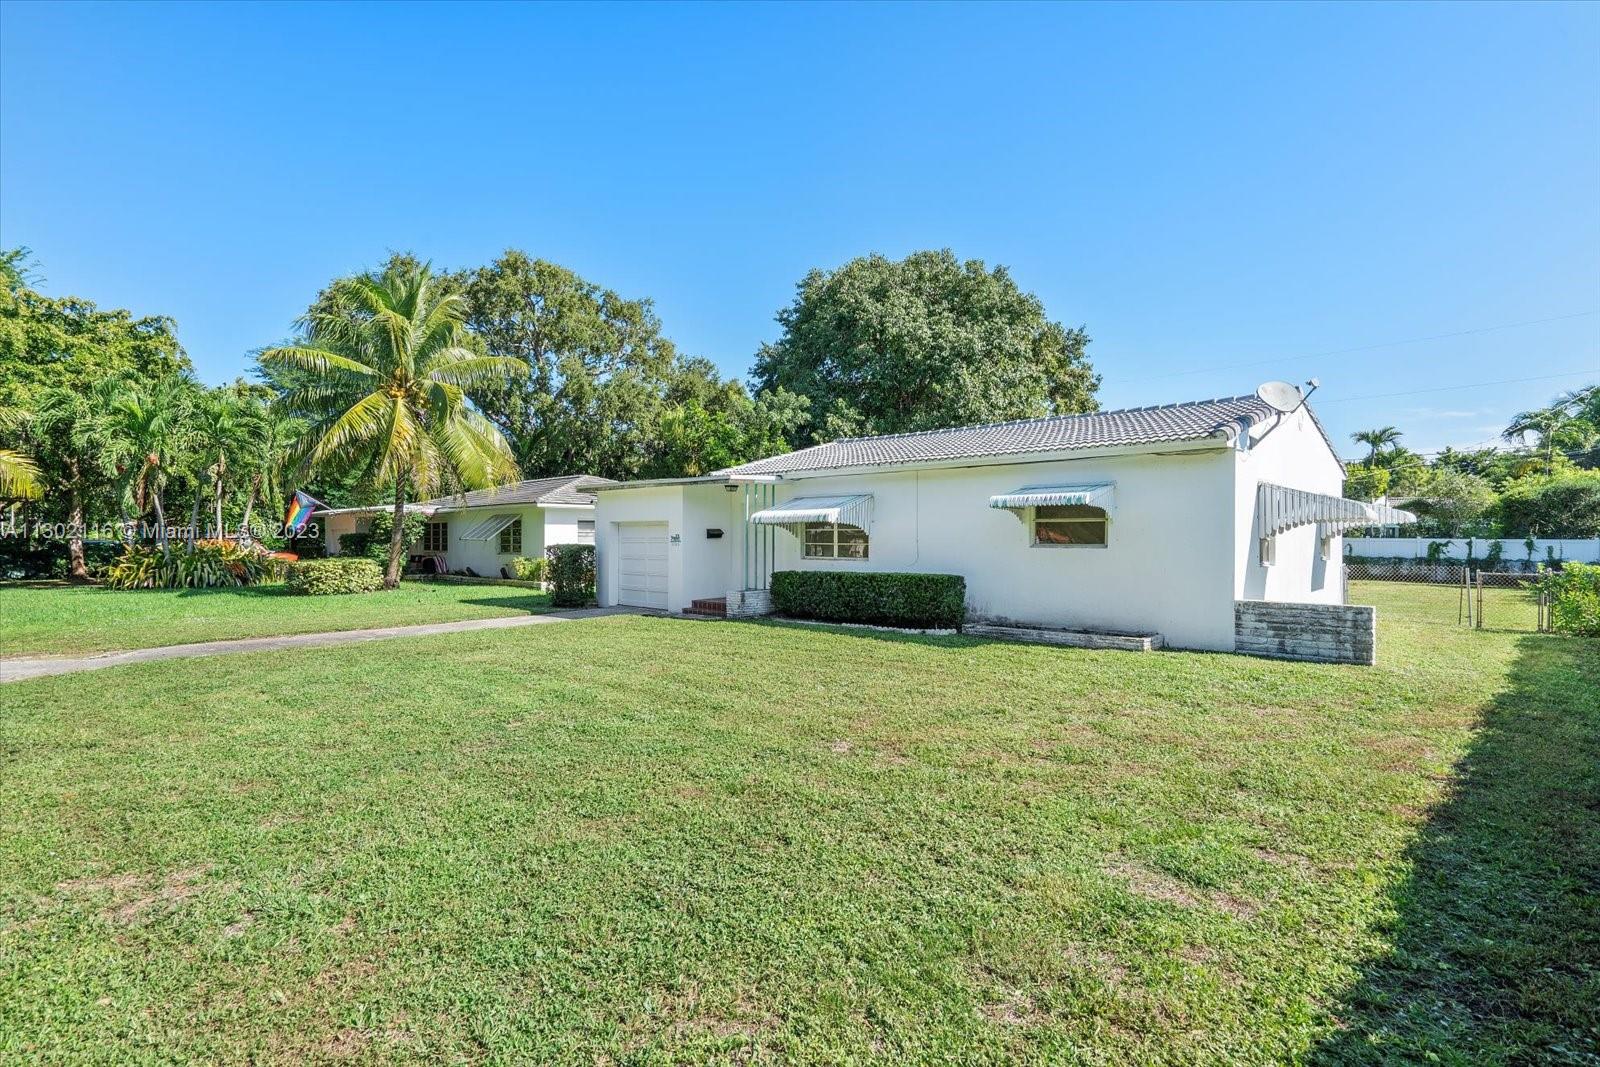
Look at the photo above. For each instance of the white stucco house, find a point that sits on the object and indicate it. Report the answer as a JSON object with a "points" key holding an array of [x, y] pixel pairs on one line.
{"points": [[484, 530], [1172, 521]]}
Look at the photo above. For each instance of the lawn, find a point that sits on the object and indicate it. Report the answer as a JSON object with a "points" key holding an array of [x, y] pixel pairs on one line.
{"points": [[57, 619], [644, 840]]}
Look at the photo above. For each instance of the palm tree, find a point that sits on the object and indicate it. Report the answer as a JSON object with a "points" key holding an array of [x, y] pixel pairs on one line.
{"points": [[1377, 440], [275, 436], [225, 421], [388, 362], [143, 430], [1545, 424], [68, 431]]}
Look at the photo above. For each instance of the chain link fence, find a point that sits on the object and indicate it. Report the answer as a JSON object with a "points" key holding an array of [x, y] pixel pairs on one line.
{"points": [[1498, 599]]}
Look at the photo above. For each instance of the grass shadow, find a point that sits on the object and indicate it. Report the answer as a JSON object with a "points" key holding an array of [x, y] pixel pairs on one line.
{"points": [[1495, 937], [249, 592], [532, 604]]}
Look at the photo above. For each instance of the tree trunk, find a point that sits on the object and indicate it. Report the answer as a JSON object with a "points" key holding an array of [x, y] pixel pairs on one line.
{"points": [[391, 575], [222, 469], [161, 520], [194, 516], [77, 569], [250, 503]]}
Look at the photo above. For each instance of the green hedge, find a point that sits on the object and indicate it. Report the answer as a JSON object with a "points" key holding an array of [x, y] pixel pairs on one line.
{"points": [[341, 574], [921, 601], [571, 575]]}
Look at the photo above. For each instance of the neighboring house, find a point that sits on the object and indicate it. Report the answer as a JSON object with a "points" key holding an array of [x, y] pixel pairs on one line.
{"points": [[1151, 520], [484, 530]]}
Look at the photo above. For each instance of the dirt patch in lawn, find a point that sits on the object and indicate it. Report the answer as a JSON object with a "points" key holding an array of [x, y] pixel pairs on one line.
{"points": [[1154, 885], [137, 895]]}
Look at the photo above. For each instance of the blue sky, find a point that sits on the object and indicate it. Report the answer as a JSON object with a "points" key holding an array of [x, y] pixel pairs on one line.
{"points": [[1220, 194]]}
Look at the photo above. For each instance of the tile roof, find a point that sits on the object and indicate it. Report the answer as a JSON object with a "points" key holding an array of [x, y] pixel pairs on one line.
{"points": [[563, 489], [1225, 418]]}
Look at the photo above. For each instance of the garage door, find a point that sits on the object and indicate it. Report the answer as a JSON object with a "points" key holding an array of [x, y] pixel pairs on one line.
{"points": [[642, 564]]}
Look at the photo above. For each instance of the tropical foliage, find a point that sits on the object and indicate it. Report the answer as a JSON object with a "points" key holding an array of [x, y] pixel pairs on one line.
{"points": [[385, 365], [201, 565], [1545, 485]]}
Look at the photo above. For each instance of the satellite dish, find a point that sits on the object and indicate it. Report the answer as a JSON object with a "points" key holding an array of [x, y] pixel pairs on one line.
{"points": [[1280, 396]]}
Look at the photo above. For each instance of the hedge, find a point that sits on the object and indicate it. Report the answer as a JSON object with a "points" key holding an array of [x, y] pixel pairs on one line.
{"points": [[341, 574], [920, 601], [571, 575]]}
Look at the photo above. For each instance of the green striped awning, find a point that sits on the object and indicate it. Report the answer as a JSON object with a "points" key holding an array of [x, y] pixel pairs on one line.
{"points": [[838, 510], [1093, 494]]}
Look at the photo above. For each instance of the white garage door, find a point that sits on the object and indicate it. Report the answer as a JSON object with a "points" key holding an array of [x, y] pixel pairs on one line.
{"points": [[642, 564]]}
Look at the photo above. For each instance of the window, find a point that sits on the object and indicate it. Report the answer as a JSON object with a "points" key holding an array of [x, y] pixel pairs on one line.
{"points": [[585, 530], [511, 539], [1069, 524], [435, 536], [1269, 551], [824, 540]]}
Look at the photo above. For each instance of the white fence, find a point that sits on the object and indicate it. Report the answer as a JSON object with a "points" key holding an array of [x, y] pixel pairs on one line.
{"points": [[1513, 550]]}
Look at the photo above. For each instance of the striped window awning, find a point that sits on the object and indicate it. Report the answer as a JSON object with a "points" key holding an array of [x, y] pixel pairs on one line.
{"points": [[1094, 494], [836, 510], [489, 528], [1279, 508]]}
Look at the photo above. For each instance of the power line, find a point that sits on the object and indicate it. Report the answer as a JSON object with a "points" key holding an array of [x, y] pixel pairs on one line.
{"points": [[1449, 388], [1356, 348]]}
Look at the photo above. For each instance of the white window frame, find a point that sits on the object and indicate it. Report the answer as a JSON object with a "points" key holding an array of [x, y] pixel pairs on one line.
{"points": [[509, 540], [805, 543], [1033, 529], [443, 526]]}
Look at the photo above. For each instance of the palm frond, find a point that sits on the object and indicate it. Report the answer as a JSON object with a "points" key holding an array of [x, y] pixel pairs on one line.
{"points": [[318, 360]]}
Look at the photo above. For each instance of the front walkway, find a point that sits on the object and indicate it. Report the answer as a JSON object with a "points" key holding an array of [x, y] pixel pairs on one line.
{"points": [[16, 669]]}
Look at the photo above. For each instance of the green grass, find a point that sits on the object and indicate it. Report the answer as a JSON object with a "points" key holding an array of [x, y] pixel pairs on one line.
{"points": [[642, 840], [57, 619]]}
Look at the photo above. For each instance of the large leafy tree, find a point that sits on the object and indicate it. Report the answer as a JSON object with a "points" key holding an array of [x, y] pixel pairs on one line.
{"points": [[386, 364], [600, 368], [1453, 501], [885, 346], [55, 352]]}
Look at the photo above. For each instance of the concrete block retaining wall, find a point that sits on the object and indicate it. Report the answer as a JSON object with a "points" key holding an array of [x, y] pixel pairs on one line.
{"points": [[1326, 633], [749, 603]]}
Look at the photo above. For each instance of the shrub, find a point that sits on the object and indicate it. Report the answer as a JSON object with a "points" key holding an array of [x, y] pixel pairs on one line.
{"points": [[355, 544], [530, 570], [341, 574], [924, 601], [382, 528], [1574, 598], [202, 565], [571, 570], [1560, 505]]}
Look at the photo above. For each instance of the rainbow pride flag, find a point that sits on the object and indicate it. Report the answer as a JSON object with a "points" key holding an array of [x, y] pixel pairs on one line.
{"points": [[300, 509]]}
